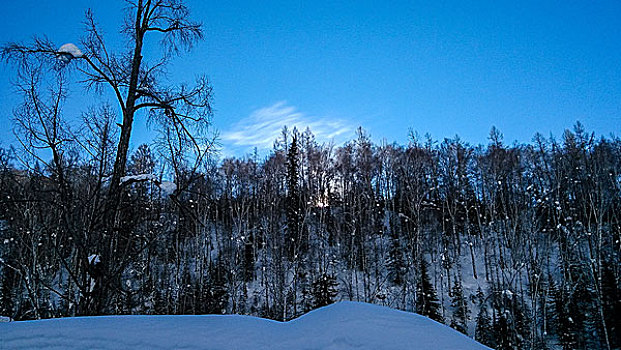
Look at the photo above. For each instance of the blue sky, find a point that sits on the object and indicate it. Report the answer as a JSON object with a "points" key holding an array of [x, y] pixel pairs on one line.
{"points": [[442, 67]]}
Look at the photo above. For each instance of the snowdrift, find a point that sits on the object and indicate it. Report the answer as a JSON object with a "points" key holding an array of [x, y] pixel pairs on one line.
{"points": [[342, 326]]}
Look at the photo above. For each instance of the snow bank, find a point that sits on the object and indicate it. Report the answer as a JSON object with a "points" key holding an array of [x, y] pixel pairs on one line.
{"points": [[352, 325], [342, 326]]}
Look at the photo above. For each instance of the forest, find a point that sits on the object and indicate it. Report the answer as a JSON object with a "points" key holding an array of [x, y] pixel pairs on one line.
{"points": [[515, 245]]}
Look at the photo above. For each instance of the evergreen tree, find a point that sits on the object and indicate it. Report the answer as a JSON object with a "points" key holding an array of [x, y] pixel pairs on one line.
{"points": [[293, 199], [215, 294], [459, 320], [324, 290], [396, 263], [484, 332], [572, 306], [141, 161], [427, 303], [7, 294], [612, 305], [510, 326], [564, 324], [249, 258]]}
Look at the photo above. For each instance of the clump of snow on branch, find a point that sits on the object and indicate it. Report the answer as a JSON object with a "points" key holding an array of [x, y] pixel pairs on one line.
{"points": [[167, 187], [136, 178], [69, 51], [94, 259]]}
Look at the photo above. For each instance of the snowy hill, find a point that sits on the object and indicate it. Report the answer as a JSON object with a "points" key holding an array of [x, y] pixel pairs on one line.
{"points": [[342, 326]]}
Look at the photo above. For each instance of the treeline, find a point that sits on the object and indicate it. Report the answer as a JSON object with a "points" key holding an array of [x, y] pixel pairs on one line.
{"points": [[517, 246]]}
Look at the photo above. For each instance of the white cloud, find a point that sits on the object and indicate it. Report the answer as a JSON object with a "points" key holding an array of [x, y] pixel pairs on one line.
{"points": [[264, 125]]}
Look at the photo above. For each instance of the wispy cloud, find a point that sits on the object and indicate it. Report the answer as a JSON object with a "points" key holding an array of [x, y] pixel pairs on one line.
{"points": [[264, 125]]}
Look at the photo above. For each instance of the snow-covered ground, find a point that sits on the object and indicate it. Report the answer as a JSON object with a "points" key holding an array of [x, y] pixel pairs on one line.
{"points": [[342, 326]]}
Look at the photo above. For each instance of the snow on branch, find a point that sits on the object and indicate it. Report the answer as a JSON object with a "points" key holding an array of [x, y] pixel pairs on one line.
{"points": [[69, 51], [94, 259], [167, 187], [138, 178]]}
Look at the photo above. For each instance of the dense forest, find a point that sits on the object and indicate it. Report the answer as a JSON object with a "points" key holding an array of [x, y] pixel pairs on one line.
{"points": [[516, 245]]}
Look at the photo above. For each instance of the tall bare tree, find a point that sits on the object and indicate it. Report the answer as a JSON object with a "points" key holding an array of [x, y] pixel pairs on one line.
{"points": [[135, 82]]}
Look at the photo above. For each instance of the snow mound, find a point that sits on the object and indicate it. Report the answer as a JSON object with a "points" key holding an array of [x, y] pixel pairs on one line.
{"points": [[69, 51], [342, 326]]}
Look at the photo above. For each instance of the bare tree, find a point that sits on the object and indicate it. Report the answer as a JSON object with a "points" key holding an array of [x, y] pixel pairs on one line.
{"points": [[135, 83]]}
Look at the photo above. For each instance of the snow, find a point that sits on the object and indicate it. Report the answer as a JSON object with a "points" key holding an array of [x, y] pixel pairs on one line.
{"points": [[136, 178], [343, 326], [94, 259], [69, 51], [168, 187]]}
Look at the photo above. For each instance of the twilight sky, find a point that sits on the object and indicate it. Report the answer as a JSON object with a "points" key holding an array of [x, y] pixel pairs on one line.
{"points": [[441, 67]]}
